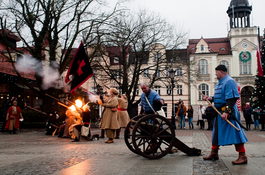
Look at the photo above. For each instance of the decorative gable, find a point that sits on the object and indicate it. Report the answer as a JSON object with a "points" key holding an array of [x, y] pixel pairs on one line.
{"points": [[202, 47]]}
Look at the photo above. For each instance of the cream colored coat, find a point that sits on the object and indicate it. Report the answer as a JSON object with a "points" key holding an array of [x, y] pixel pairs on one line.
{"points": [[123, 116], [109, 117]]}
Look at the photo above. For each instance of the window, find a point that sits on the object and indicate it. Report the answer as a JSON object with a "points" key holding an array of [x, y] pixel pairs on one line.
{"points": [[157, 89], [245, 67], [146, 73], [169, 88], [157, 56], [222, 49], [224, 62], [179, 89], [116, 59], [202, 47], [204, 88], [115, 74], [203, 67], [179, 71], [137, 91], [158, 73]]}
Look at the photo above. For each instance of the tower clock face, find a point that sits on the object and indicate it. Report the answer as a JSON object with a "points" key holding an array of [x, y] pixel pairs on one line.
{"points": [[244, 45], [245, 56]]}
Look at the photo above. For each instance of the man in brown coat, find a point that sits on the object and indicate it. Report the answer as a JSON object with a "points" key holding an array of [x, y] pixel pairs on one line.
{"points": [[109, 120], [122, 114]]}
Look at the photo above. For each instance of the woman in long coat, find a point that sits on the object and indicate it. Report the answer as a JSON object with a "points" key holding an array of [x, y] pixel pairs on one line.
{"points": [[109, 120], [122, 114]]}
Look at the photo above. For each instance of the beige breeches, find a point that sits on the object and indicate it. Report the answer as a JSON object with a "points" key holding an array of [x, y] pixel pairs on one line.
{"points": [[110, 133]]}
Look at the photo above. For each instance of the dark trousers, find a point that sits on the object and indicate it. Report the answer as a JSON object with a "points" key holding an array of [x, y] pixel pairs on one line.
{"points": [[201, 124]]}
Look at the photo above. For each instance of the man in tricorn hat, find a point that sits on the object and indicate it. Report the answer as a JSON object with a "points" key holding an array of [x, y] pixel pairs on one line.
{"points": [[225, 97]]}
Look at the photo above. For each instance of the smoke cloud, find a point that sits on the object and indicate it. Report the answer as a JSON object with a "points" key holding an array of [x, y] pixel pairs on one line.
{"points": [[50, 74]]}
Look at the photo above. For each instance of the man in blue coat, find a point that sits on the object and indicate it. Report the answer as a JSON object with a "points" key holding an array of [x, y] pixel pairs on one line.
{"points": [[152, 96], [225, 97]]}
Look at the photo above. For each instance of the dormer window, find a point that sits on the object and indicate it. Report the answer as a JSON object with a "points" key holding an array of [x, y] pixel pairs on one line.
{"points": [[202, 47], [222, 49]]}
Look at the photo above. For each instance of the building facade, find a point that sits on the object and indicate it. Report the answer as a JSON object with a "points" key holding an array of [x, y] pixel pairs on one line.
{"points": [[237, 52]]}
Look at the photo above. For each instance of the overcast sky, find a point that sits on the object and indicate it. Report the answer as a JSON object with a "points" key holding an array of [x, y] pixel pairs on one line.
{"points": [[207, 18]]}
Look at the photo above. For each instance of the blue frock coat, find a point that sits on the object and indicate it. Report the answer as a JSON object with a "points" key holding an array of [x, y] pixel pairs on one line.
{"points": [[223, 132]]}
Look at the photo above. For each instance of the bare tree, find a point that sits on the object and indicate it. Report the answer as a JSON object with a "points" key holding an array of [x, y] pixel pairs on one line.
{"points": [[52, 26], [135, 47]]}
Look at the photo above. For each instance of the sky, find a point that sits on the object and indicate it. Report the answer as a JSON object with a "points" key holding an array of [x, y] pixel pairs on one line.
{"points": [[201, 18]]}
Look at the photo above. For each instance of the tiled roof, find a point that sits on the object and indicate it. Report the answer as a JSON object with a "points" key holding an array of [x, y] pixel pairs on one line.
{"points": [[220, 46]]}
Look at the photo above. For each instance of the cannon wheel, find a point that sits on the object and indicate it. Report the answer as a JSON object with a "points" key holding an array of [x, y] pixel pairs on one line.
{"points": [[128, 132], [149, 135]]}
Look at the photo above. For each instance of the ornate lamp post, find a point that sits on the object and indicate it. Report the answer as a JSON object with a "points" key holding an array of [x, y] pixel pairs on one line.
{"points": [[172, 75]]}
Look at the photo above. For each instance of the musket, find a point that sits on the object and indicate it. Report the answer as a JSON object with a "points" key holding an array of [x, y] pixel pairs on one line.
{"points": [[34, 109], [58, 99], [217, 110], [107, 87]]}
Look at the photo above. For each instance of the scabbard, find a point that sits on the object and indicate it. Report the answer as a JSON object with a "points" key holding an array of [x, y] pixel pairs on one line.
{"points": [[240, 124]]}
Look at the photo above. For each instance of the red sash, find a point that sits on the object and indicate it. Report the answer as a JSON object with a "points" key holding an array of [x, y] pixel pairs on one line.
{"points": [[119, 109]]}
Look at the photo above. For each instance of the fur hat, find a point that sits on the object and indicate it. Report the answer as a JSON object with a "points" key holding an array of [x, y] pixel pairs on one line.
{"points": [[114, 91], [124, 96], [221, 67]]}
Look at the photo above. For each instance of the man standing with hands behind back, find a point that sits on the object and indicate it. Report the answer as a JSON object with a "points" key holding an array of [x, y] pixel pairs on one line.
{"points": [[225, 97]]}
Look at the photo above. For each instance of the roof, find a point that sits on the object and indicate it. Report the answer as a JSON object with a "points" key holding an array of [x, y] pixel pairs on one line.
{"points": [[10, 34], [221, 46]]}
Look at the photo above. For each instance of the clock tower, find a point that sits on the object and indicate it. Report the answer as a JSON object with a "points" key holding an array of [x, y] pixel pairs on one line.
{"points": [[244, 43]]}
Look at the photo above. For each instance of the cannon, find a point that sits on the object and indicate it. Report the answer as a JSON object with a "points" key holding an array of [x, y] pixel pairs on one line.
{"points": [[152, 136]]}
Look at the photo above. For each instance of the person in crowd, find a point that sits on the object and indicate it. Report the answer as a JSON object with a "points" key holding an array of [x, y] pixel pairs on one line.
{"points": [[8, 104], [181, 114], [201, 112], [147, 99], [86, 119], [256, 114], [210, 114], [12, 117], [190, 117], [52, 123], [247, 115], [122, 114], [225, 97], [109, 120]]}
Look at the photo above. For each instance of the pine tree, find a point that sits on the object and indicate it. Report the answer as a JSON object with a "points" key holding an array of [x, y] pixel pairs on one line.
{"points": [[258, 95]]}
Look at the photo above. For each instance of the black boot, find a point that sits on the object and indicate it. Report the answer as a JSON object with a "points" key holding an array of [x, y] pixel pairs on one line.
{"points": [[75, 140], [102, 133], [117, 133]]}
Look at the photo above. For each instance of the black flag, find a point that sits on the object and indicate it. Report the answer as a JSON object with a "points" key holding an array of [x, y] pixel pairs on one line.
{"points": [[80, 68]]}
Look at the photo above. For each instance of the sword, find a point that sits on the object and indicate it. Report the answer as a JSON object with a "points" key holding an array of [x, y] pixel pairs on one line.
{"points": [[217, 110]]}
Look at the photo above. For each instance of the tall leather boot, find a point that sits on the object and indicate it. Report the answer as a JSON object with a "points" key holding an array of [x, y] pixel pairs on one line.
{"points": [[242, 159], [117, 133], [102, 133], [213, 155]]}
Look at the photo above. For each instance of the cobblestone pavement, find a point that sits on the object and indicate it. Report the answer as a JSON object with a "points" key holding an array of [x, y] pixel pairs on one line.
{"points": [[32, 152]]}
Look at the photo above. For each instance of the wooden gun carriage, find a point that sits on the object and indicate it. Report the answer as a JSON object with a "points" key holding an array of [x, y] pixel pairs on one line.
{"points": [[152, 136]]}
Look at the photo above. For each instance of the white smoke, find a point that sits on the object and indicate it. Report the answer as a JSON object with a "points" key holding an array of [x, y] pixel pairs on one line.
{"points": [[50, 74], [92, 98]]}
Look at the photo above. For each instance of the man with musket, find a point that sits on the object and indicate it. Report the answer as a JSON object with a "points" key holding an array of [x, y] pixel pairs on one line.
{"points": [[225, 97]]}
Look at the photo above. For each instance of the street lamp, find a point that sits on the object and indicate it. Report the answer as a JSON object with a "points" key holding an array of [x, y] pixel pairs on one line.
{"points": [[172, 75]]}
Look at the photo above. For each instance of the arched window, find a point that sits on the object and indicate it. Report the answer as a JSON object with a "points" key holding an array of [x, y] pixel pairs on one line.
{"points": [[224, 62], [204, 88], [203, 66], [245, 67]]}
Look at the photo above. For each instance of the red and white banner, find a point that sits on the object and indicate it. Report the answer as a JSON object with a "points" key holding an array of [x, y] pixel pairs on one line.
{"points": [[260, 69]]}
